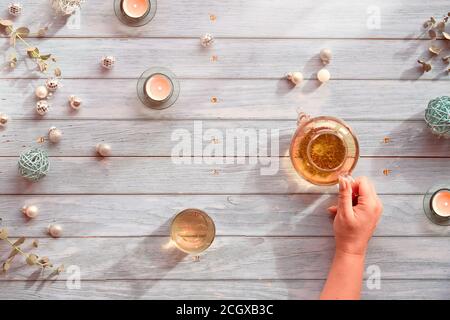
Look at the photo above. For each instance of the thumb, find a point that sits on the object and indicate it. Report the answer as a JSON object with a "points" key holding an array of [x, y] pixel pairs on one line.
{"points": [[345, 197]]}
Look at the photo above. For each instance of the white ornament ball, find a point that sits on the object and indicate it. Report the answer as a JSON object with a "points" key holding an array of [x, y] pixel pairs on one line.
{"points": [[325, 56], [295, 77], [55, 230], [54, 135], [74, 102], [42, 107], [108, 62], [52, 84], [41, 92], [104, 149], [3, 119], [206, 40], [30, 211], [15, 9], [323, 75]]}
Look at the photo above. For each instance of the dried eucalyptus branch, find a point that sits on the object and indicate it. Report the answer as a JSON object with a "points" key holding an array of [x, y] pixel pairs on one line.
{"points": [[43, 61], [31, 258]]}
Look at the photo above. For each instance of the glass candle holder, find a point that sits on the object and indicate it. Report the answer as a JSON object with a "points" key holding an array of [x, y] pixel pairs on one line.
{"points": [[158, 88], [135, 13], [192, 231], [436, 204]]}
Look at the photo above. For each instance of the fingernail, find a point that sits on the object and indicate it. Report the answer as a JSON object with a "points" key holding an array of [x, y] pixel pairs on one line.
{"points": [[341, 184]]}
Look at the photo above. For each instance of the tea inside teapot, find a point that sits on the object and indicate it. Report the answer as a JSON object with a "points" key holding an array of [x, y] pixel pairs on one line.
{"points": [[323, 148]]}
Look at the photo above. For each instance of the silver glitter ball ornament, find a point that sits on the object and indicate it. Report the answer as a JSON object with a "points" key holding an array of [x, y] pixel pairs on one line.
{"points": [[15, 9], [108, 62], [42, 107], [52, 84], [206, 40]]}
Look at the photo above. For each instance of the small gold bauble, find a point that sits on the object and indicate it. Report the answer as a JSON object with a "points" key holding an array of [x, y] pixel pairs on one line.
{"points": [[41, 92], [3, 119], [54, 135], [30, 211], [323, 75], [104, 149], [55, 230], [295, 77], [325, 56]]}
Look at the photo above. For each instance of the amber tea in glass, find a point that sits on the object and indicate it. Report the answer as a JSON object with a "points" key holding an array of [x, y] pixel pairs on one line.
{"points": [[323, 148], [192, 231]]}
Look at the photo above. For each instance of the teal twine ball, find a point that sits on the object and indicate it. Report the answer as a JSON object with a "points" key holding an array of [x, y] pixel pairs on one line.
{"points": [[437, 116], [33, 164]]}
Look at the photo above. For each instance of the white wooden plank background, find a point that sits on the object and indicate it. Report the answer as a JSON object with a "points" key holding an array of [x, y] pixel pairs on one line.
{"points": [[274, 235]]}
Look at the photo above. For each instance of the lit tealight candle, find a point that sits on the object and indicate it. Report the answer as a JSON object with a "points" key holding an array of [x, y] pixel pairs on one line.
{"points": [[158, 87], [136, 8], [440, 203]]}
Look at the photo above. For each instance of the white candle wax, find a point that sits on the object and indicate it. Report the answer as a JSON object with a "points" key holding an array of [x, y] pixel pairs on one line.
{"points": [[158, 87]]}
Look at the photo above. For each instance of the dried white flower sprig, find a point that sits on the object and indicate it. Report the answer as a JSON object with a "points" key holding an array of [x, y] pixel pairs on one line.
{"points": [[43, 61], [66, 7], [31, 258]]}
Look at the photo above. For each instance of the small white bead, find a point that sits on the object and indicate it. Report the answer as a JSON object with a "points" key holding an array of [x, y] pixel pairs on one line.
{"points": [[104, 149], [295, 77], [325, 56], [30, 211], [54, 135], [323, 75], [41, 92], [55, 230]]}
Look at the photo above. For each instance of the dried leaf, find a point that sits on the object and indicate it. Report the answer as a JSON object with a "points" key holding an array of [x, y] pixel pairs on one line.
{"points": [[42, 32], [13, 252], [45, 56], [6, 265], [435, 50], [432, 34], [42, 66], [425, 66], [19, 241], [33, 52], [57, 72], [32, 259], [3, 234], [446, 35], [60, 269], [6, 23], [13, 60], [23, 32]]}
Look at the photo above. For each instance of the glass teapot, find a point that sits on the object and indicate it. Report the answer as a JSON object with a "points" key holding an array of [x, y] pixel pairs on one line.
{"points": [[323, 148]]}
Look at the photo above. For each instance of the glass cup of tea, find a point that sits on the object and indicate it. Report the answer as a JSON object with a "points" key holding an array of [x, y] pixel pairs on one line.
{"points": [[192, 231]]}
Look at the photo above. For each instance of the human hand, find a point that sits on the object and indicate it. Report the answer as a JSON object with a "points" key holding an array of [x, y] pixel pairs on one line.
{"points": [[354, 225]]}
